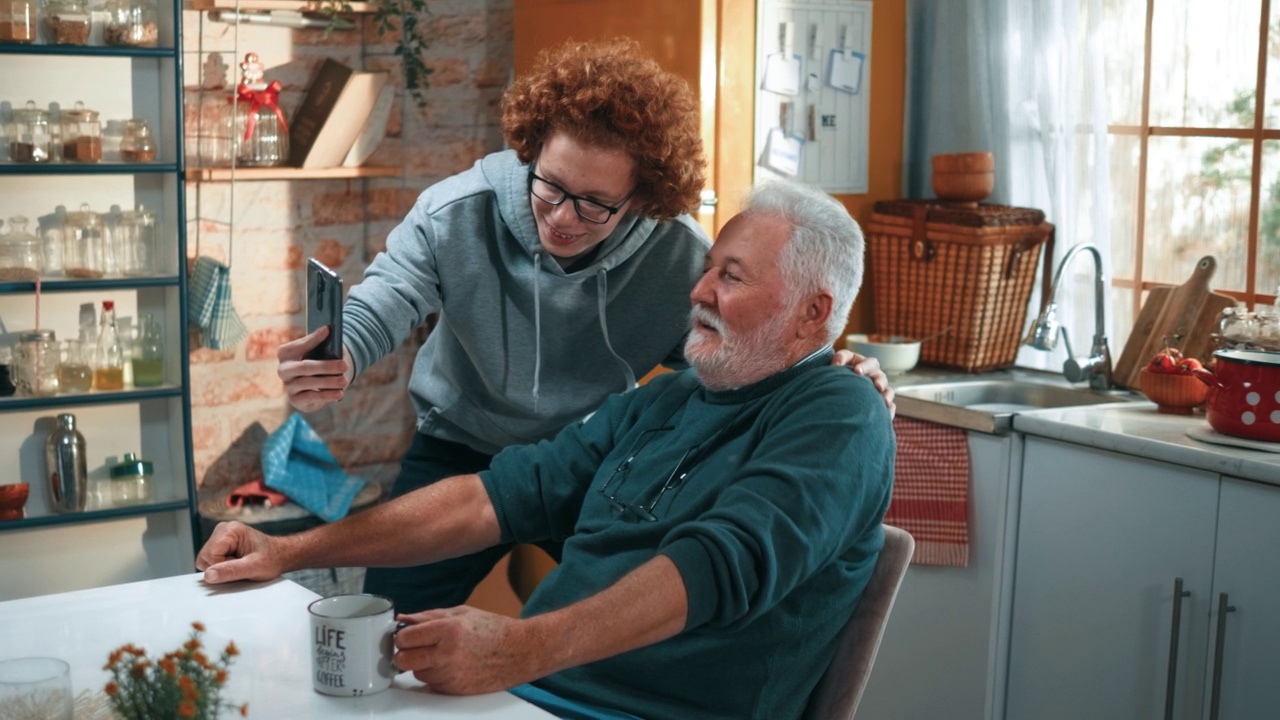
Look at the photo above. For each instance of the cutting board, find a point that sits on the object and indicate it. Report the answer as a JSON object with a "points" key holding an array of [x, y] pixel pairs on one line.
{"points": [[1181, 317]]}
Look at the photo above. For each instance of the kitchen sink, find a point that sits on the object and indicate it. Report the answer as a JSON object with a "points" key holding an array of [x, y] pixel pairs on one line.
{"points": [[989, 404]]}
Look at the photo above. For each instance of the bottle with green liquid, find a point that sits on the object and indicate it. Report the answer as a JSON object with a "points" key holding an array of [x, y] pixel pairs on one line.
{"points": [[148, 354]]}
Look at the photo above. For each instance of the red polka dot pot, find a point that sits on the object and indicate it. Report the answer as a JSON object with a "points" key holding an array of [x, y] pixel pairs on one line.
{"points": [[1244, 394]]}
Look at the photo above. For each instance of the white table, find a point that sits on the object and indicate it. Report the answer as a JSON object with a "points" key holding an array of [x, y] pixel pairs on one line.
{"points": [[267, 621]]}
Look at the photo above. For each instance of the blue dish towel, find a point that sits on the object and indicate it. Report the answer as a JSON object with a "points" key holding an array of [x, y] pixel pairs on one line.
{"points": [[296, 461]]}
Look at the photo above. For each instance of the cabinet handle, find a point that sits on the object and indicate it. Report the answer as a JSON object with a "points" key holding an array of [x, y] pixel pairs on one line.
{"points": [[1175, 631], [1223, 609]]}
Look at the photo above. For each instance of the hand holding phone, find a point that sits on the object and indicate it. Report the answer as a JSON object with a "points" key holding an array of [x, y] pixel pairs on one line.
{"points": [[324, 308]]}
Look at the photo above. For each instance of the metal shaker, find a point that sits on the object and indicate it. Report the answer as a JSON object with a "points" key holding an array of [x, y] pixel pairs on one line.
{"points": [[68, 471]]}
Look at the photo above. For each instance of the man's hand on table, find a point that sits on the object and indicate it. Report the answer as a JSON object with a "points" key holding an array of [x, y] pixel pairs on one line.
{"points": [[465, 650], [236, 551]]}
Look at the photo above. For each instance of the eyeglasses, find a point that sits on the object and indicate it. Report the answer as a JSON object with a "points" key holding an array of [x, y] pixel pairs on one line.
{"points": [[590, 210], [675, 478]]}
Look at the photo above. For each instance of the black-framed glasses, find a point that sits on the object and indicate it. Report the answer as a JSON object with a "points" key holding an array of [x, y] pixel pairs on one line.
{"points": [[623, 471], [593, 211]]}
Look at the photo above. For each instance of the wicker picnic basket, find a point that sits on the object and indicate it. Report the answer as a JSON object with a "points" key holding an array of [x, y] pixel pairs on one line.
{"points": [[960, 272]]}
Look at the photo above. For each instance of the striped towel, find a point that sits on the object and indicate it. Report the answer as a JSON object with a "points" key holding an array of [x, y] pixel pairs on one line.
{"points": [[931, 491], [209, 305]]}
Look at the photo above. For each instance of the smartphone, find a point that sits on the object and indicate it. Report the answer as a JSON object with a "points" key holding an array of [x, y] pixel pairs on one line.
{"points": [[324, 307]]}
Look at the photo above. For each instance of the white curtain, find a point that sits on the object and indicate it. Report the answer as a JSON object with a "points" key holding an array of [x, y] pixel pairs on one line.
{"points": [[1023, 79]]}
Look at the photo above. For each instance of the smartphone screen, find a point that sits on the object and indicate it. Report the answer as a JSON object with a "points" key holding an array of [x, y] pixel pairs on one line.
{"points": [[324, 307]]}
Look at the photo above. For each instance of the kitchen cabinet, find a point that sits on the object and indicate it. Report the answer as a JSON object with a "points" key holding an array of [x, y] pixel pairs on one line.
{"points": [[1123, 568], [940, 649], [103, 544]]}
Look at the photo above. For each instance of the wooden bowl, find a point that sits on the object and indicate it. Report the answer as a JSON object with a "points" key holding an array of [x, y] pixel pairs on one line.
{"points": [[1173, 393], [967, 177], [12, 499]]}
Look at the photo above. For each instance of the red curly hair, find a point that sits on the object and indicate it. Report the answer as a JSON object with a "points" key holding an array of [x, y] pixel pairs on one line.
{"points": [[610, 95]]}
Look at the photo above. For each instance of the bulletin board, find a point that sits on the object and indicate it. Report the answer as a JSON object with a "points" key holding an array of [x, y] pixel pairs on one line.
{"points": [[813, 70]]}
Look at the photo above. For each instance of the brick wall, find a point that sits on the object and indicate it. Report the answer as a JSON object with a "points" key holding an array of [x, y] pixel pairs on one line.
{"points": [[266, 230]]}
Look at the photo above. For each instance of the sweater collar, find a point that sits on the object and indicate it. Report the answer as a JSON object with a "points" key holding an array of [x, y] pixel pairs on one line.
{"points": [[816, 359]]}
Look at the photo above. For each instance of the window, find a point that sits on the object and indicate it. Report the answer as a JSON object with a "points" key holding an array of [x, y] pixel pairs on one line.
{"points": [[1193, 98]]}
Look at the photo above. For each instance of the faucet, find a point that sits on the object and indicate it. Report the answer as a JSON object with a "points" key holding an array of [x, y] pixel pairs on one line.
{"points": [[1043, 335]]}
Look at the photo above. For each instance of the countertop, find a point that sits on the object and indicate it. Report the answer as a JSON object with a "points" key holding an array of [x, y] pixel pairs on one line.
{"points": [[1131, 426]]}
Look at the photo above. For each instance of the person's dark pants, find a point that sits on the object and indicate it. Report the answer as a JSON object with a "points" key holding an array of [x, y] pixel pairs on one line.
{"points": [[449, 582]]}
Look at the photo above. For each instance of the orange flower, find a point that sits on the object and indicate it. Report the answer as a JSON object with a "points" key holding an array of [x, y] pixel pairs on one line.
{"points": [[220, 677], [200, 659], [139, 669], [192, 644], [169, 666], [244, 710], [199, 626], [114, 658], [232, 650], [187, 709], [112, 688], [186, 683]]}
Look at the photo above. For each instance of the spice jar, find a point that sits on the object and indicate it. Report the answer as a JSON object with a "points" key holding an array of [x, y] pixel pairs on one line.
{"points": [[254, 121], [17, 21], [131, 481], [83, 245], [131, 23], [20, 256], [137, 145], [68, 21], [36, 360], [81, 135], [30, 135]]}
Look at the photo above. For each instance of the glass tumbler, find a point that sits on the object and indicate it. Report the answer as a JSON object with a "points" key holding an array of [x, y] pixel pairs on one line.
{"points": [[37, 359], [75, 374], [36, 687]]}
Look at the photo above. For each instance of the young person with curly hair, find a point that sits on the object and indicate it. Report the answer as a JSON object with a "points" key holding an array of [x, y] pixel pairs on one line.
{"points": [[560, 268]]}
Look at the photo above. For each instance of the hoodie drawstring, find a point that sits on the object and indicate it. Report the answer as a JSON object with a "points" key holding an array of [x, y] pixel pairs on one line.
{"points": [[537, 327], [602, 293]]}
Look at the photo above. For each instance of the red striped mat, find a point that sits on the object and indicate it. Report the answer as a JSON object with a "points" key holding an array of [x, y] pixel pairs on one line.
{"points": [[931, 491]]}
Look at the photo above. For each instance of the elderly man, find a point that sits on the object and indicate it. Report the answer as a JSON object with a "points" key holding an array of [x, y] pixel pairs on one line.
{"points": [[719, 524]]}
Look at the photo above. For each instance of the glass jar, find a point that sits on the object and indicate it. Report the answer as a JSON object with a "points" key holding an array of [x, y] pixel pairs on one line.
{"points": [[30, 135], [68, 22], [131, 481], [131, 23], [17, 21], [36, 360], [20, 255], [75, 373], [253, 120], [51, 239], [83, 245], [81, 135], [137, 242], [137, 145]]}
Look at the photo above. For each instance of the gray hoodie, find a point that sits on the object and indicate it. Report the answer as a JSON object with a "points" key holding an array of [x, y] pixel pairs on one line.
{"points": [[522, 348]]}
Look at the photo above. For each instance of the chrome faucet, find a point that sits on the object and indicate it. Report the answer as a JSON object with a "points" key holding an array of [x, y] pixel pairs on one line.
{"points": [[1096, 368]]}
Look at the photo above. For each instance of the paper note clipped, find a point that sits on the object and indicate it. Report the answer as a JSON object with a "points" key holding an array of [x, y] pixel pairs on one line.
{"points": [[846, 70], [782, 153], [782, 73]]}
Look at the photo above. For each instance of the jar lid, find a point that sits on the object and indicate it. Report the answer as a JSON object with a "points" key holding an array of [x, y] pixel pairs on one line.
{"points": [[131, 467], [30, 113], [18, 232], [37, 335], [80, 113], [84, 216]]}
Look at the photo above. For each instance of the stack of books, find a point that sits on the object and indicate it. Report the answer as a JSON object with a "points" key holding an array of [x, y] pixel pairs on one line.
{"points": [[342, 118]]}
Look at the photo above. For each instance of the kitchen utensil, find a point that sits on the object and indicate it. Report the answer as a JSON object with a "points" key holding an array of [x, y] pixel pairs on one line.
{"points": [[1183, 317], [12, 499], [1244, 394], [966, 177]]}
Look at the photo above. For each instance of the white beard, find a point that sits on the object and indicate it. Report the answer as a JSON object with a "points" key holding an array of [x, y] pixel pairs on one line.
{"points": [[738, 360]]}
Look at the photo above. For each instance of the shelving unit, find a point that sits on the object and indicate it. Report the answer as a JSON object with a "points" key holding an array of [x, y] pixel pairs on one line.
{"points": [[287, 173], [103, 544]]}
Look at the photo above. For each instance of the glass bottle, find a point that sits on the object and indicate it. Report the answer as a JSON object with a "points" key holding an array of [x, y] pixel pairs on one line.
{"points": [[131, 481], [20, 253], [81, 135], [67, 466], [137, 145], [30, 135], [68, 22], [83, 245], [17, 21], [108, 368], [148, 354], [75, 374], [131, 23], [264, 142], [37, 359]]}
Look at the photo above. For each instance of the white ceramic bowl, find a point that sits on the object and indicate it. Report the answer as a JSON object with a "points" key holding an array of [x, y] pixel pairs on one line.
{"points": [[896, 354]]}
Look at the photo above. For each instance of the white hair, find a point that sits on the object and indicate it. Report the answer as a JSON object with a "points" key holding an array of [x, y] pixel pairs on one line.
{"points": [[825, 248]]}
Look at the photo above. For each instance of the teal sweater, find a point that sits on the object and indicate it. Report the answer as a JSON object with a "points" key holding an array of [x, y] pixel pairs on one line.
{"points": [[775, 530]]}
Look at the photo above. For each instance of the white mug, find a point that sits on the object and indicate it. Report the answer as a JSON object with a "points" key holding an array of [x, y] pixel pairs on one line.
{"points": [[352, 644]]}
